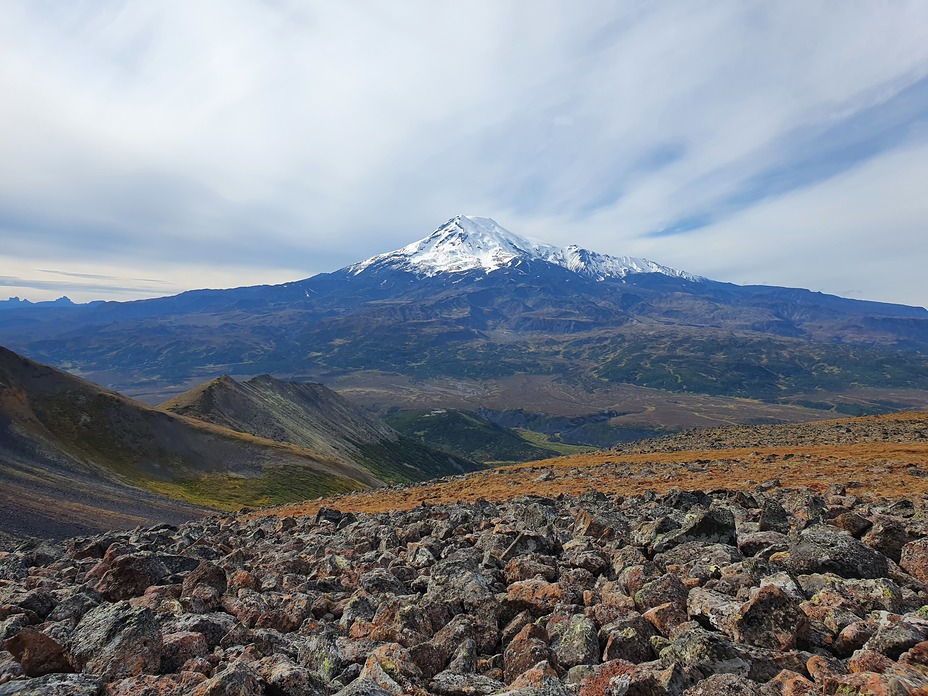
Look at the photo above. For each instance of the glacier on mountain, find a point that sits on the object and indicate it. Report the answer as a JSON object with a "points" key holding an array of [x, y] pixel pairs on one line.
{"points": [[468, 243]]}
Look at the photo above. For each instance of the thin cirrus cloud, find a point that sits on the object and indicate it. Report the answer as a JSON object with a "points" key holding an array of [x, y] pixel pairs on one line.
{"points": [[241, 141]]}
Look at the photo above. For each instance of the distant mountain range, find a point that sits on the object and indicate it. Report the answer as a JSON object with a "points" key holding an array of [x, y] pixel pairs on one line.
{"points": [[473, 301], [77, 458]]}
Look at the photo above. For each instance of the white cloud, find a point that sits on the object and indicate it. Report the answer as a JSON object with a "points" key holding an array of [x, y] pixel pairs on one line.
{"points": [[299, 137]]}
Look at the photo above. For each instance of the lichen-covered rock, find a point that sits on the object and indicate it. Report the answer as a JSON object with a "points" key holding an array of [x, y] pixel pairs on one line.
{"points": [[824, 549], [55, 685], [769, 619], [576, 642], [238, 679], [914, 559], [115, 640], [724, 685], [147, 685]]}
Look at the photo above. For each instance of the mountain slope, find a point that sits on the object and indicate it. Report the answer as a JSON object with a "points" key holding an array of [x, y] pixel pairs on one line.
{"points": [[474, 301], [78, 457], [313, 416]]}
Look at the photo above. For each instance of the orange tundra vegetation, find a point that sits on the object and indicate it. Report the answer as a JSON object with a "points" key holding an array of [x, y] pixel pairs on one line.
{"points": [[868, 469]]}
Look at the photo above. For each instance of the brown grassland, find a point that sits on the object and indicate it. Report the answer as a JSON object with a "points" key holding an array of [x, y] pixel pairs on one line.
{"points": [[868, 469]]}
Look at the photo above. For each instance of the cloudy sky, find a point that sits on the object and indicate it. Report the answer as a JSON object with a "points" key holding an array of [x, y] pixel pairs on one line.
{"points": [[151, 147]]}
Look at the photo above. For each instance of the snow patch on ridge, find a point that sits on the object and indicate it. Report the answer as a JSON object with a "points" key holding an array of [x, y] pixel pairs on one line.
{"points": [[467, 243]]}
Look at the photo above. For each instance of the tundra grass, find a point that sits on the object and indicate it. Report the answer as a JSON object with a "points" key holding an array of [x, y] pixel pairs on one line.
{"points": [[276, 485]]}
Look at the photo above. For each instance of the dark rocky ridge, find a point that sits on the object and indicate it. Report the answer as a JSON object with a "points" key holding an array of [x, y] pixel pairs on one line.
{"points": [[769, 591]]}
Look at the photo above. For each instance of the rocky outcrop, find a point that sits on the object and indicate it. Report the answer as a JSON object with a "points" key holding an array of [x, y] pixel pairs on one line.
{"points": [[772, 591]]}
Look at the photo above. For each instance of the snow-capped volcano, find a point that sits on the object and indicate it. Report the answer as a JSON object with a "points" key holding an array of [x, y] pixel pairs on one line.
{"points": [[468, 243]]}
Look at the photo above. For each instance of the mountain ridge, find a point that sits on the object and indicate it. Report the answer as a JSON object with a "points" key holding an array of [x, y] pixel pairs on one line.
{"points": [[526, 316], [77, 457], [312, 416]]}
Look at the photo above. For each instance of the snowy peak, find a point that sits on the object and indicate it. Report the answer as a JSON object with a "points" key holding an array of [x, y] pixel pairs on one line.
{"points": [[469, 243]]}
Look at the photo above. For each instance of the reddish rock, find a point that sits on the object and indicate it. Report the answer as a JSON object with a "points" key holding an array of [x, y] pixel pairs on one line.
{"points": [[536, 595], [181, 647], [665, 618], [525, 651], [203, 588], [609, 676], [853, 637], [538, 677], [824, 670], [873, 684], [789, 683], [914, 559], [128, 576], [869, 661], [527, 567], [148, 685], [37, 653], [518, 622], [916, 656]]}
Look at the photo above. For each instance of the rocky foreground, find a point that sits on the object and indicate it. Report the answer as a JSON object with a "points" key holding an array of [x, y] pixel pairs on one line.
{"points": [[776, 591]]}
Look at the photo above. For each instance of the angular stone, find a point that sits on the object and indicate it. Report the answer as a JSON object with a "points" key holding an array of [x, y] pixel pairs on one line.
{"points": [[665, 618], [450, 684], [824, 549], [789, 683], [180, 647], [714, 526], [536, 595], [888, 536], [55, 685], [914, 559], [666, 588], [577, 643], [237, 679], [37, 654], [895, 634], [773, 518], [770, 619], [628, 639], [869, 661], [148, 685], [525, 651], [724, 685], [115, 641]]}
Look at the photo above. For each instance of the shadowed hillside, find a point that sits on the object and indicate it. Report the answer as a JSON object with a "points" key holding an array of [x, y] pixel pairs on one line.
{"points": [[74, 457], [313, 416]]}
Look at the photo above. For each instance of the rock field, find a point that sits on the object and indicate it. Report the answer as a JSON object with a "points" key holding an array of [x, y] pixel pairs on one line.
{"points": [[773, 591]]}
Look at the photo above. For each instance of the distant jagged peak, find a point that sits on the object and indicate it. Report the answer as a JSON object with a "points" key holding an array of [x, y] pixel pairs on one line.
{"points": [[470, 243]]}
